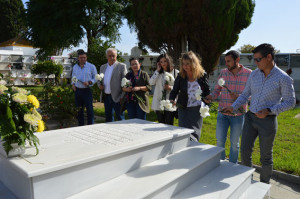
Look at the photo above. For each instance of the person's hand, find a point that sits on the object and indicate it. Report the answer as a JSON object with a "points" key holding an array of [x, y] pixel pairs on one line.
{"points": [[228, 109], [208, 99], [158, 67], [167, 87], [136, 89], [233, 95], [73, 87], [101, 87], [128, 89], [173, 102], [262, 113], [85, 83]]}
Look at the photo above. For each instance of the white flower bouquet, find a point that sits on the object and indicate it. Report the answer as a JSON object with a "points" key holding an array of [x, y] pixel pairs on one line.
{"points": [[125, 83], [167, 105], [99, 78], [74, 79], [204, 110], [169, 79]]}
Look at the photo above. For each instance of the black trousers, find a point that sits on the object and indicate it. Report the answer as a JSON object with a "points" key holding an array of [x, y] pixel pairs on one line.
{"points": [[165, 117]]}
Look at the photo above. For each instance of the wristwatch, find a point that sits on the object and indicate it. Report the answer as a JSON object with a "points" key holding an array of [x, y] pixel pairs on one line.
{"points": [[90, 82], [269, 110]]}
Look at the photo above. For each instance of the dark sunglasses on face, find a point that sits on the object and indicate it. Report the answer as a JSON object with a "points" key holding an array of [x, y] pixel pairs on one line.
{"points": [[258, 59]]}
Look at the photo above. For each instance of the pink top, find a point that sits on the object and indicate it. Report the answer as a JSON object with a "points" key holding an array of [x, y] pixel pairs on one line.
{"points": [[235, 83]]}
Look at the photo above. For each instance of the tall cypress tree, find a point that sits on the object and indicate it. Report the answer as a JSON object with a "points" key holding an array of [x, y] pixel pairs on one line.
{"points": [[11, 15], [208, 27]]}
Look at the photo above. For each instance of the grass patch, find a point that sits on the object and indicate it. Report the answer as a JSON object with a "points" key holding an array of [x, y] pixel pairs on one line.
{"points": [[286, 150]]}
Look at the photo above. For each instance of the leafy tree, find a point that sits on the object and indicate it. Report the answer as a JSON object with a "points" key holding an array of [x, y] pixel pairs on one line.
{"points": [[47, 68], [248, 48], [96, 54], [11, 23], [60, 24], [207, 27], [158, 24]]}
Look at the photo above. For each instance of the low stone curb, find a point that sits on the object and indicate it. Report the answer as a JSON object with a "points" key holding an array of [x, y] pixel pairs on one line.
{"points": [[281, 175]]}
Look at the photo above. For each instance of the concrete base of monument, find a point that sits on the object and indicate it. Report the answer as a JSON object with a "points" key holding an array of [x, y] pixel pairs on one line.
{"points": [[125, 159]]}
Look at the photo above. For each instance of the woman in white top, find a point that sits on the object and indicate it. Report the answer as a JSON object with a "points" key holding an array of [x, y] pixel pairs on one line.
{"points": [[162, 88], [191, 78]]}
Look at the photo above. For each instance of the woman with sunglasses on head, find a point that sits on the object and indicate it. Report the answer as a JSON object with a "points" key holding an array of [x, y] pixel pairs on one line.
{"points": [[162, 88], [191, 78], [137, 93]]}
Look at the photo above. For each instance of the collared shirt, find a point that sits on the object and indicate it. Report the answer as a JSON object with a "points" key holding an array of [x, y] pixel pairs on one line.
{"points": [[235, 83], [107, 78], [84, 74], [275, 91]]}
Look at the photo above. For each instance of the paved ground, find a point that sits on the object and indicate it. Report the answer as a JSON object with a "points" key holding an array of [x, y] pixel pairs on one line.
{"points": [[281, 189]]}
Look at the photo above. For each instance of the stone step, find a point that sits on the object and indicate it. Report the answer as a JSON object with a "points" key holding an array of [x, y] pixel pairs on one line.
{"points": [[257, 190], [75, 159], [162, 178], [226, 181]]}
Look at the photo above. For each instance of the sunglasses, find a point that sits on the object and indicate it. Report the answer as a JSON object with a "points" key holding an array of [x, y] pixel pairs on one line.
{"points": [[258, 59]]}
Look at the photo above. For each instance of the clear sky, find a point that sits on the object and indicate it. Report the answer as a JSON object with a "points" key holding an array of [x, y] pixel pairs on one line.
{"points": [[274, 21]]}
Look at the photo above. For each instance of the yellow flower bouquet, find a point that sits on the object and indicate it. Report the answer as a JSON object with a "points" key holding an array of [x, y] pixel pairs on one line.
{"points": [[19, 118]]}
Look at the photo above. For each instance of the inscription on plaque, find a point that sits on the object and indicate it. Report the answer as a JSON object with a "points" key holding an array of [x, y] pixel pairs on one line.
{"points": [[107, 135]]}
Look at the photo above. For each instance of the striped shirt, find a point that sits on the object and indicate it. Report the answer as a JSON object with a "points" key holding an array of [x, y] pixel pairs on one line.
{"points": [[275, 91], [235, 83], [85, 74]]}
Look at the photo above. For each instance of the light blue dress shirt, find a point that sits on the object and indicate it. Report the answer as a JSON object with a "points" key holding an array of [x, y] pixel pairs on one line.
{"points": [[85, 74], [276, 91]]}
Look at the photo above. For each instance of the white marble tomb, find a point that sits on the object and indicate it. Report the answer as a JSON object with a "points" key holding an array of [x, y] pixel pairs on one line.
{"points": [[75, 159]]}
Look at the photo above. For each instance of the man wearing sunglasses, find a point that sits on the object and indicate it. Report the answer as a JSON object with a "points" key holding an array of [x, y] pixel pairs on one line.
{"points": [[272, 92]]}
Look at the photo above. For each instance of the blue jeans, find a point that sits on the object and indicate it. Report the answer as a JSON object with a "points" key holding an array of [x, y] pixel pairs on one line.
{"points": [[111, 107], [135, 111], [84, 98], [236, 127]]}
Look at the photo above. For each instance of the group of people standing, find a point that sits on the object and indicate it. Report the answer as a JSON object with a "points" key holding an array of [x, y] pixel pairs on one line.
{"points": [[270, 89]]}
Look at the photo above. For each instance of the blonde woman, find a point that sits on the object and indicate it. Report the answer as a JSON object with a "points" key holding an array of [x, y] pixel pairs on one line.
{"points": [[191, 78]]}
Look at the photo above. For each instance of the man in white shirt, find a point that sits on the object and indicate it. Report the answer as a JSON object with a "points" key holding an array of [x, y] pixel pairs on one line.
{"points": [[113, 72]]}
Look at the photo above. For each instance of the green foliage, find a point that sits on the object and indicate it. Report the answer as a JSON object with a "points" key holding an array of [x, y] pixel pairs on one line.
{"points": [[96, 54], [246, 48], [59, 102], [11, 23], [13, 127], [209, 26], [47, 68], [54, 25], [61, 24]]}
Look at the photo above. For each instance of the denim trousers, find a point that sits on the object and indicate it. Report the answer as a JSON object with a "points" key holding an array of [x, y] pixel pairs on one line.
{"points": [[236, 127], [134, 111], [84, 98], [110, 108], [265, 129]]}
